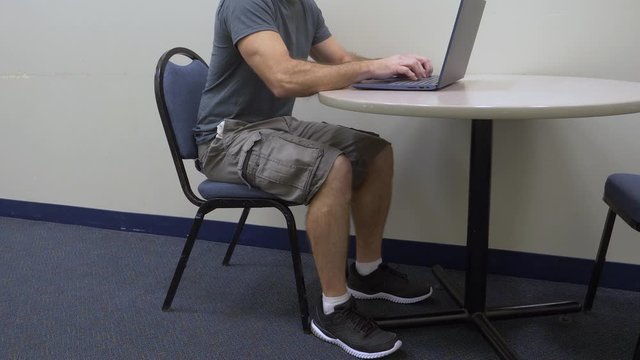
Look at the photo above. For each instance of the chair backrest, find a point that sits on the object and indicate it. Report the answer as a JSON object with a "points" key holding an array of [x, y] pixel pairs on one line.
{"points": [[178, 89]]}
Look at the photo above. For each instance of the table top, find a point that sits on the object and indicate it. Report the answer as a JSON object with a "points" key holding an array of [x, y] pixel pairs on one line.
{"points": [[498, 97]]}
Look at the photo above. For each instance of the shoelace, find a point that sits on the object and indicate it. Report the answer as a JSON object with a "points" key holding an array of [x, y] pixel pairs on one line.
{"points": [[394, 272], [359, 321]]}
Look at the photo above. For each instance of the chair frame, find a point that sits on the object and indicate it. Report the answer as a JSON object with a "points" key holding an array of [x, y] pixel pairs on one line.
{"points": [[208, 205], [600, 260]]}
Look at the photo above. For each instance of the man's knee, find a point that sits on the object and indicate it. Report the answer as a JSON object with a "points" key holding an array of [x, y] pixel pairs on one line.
{"points": [[386, 155], [382, 163], [341, 167], [340, 176]]}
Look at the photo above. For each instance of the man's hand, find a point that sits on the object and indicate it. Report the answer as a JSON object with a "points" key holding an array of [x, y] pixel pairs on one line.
{"points": [[411, 66]]}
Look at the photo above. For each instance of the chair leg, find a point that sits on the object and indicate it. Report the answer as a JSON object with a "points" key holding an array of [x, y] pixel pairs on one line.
{"points": [[182, 263], [297, 268], [636, 354], [600, 260], [236, 236]]}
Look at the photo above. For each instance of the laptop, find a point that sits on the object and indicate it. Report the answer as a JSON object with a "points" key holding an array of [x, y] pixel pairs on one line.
{"points": [[455, 61]]}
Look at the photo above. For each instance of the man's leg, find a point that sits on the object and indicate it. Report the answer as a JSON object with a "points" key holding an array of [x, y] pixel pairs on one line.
{"points": [[328, 227], [337, 321], [370, 206], [369, 278]]}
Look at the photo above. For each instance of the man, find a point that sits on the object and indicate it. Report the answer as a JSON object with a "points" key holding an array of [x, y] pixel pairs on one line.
{"points": [[246, 134]]}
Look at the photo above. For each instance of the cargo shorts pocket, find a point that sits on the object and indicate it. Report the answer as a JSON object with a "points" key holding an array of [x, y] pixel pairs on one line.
{"points": [[280, 164], [245, 170]]}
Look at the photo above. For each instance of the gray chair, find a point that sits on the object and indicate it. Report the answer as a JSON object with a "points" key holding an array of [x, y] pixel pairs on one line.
{"points": [[178, 89], [622, 194]]}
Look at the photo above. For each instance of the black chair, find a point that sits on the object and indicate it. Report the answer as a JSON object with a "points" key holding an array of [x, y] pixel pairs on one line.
{"points": [[622, 194], [178, 89]]}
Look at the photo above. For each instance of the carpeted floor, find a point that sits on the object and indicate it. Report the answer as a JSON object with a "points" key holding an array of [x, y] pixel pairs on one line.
{"points": [[72, 292]]}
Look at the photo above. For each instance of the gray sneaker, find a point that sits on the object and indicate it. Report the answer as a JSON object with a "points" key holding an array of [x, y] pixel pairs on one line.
{"points": [[353, 332], [387, 284]]}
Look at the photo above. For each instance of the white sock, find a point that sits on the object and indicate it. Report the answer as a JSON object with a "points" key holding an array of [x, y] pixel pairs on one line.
{"points": [[366, 268], [330, 302]]}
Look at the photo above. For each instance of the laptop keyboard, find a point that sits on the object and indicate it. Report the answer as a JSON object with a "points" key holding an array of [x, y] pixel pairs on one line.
{"points": [[431, 80]]}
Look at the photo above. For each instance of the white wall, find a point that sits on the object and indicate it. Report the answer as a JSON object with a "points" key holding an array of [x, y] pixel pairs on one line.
{"points": [[79, 124]]}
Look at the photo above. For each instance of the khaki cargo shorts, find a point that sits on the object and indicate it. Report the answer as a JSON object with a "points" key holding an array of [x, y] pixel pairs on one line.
{"points": [[285, 156]]}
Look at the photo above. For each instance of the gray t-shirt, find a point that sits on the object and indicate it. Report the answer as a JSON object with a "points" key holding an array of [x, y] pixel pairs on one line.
{"points": [[234, 90]]}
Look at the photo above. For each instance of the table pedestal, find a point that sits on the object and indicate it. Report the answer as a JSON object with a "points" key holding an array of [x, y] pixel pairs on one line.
{"points": [[473, 303]]}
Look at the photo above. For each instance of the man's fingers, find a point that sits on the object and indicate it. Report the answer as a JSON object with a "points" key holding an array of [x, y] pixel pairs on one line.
{"points": [[417, 67], [410, 66], [404, 70], [428, 67], [420, 66], [426, 64]]}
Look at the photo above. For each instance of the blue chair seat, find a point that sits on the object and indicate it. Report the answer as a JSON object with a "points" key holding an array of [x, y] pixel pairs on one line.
{"points": [[213, 189], [622, 194]]}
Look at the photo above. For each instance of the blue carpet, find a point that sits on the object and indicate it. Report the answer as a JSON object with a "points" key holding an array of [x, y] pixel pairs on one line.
{"points": [[73, 292]]}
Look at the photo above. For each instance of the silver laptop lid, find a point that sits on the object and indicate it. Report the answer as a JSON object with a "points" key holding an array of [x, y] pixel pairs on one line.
{"points": [[461, 43]]}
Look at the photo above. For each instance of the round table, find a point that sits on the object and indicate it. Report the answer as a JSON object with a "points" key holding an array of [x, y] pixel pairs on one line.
{"points": [[498, 97]]}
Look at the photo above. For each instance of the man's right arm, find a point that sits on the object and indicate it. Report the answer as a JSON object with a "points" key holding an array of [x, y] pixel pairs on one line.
{"points": [[268, 56]]}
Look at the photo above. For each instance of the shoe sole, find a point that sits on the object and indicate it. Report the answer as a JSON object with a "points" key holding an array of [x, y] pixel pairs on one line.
{"points": [[393, 298], [359, 354]]}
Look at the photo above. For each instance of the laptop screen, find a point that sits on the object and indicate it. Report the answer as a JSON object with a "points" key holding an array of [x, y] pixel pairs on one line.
{"points": [[462, 40]]}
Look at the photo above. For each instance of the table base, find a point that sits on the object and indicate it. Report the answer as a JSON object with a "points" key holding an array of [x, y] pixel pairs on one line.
{"points": [[473, 304], [481, 318]]}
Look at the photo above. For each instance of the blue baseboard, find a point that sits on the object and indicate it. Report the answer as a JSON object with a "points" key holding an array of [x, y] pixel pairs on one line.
{"points": [[535, 266]]}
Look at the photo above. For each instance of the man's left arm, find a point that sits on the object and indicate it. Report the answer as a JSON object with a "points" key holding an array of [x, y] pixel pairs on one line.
{"points": [[330, 52]]}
